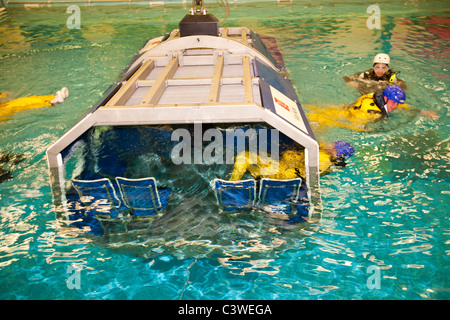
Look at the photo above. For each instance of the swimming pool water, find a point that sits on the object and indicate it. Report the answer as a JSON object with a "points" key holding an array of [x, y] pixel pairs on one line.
{"points": [[384, 215]]}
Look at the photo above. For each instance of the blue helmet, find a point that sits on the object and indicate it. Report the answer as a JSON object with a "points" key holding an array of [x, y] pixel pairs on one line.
{"points": [[343, 149], [395, 93]]}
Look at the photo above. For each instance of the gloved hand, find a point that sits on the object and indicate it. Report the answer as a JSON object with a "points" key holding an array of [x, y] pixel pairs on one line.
{"points": [[60, 96]]}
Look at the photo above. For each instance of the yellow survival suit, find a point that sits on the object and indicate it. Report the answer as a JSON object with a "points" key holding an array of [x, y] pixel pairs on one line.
{"points": [[9, 108], [355, 117], [290, 166]]}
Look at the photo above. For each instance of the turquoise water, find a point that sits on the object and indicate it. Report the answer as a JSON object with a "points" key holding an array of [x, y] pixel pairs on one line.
{"points": [[386, 211]]}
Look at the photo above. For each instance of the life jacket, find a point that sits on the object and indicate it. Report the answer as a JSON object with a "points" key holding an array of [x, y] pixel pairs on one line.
{"points": [[368, 107], [387, 76]]}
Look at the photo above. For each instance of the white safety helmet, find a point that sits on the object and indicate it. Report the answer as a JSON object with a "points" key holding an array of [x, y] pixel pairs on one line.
{"points": [[381, 58]]}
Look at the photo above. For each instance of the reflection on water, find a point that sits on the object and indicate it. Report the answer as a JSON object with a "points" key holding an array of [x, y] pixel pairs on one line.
{"points": [[187, 232], [387, 208], [419, 156]]}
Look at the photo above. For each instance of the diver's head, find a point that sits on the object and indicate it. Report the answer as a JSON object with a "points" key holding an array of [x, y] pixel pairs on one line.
{"points": [[381, 64], [393, 95], [343, 149], [388, 99]]}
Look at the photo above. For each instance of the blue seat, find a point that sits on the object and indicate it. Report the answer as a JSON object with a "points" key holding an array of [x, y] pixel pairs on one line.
{"points": [[142, 195], [280, 195], [235, 195], [98, 196]]}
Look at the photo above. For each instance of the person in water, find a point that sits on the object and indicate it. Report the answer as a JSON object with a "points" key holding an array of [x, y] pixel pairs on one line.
{"points": [[292, 162], [7, 162], [369, 108], [7, 109], [379, 77]]}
